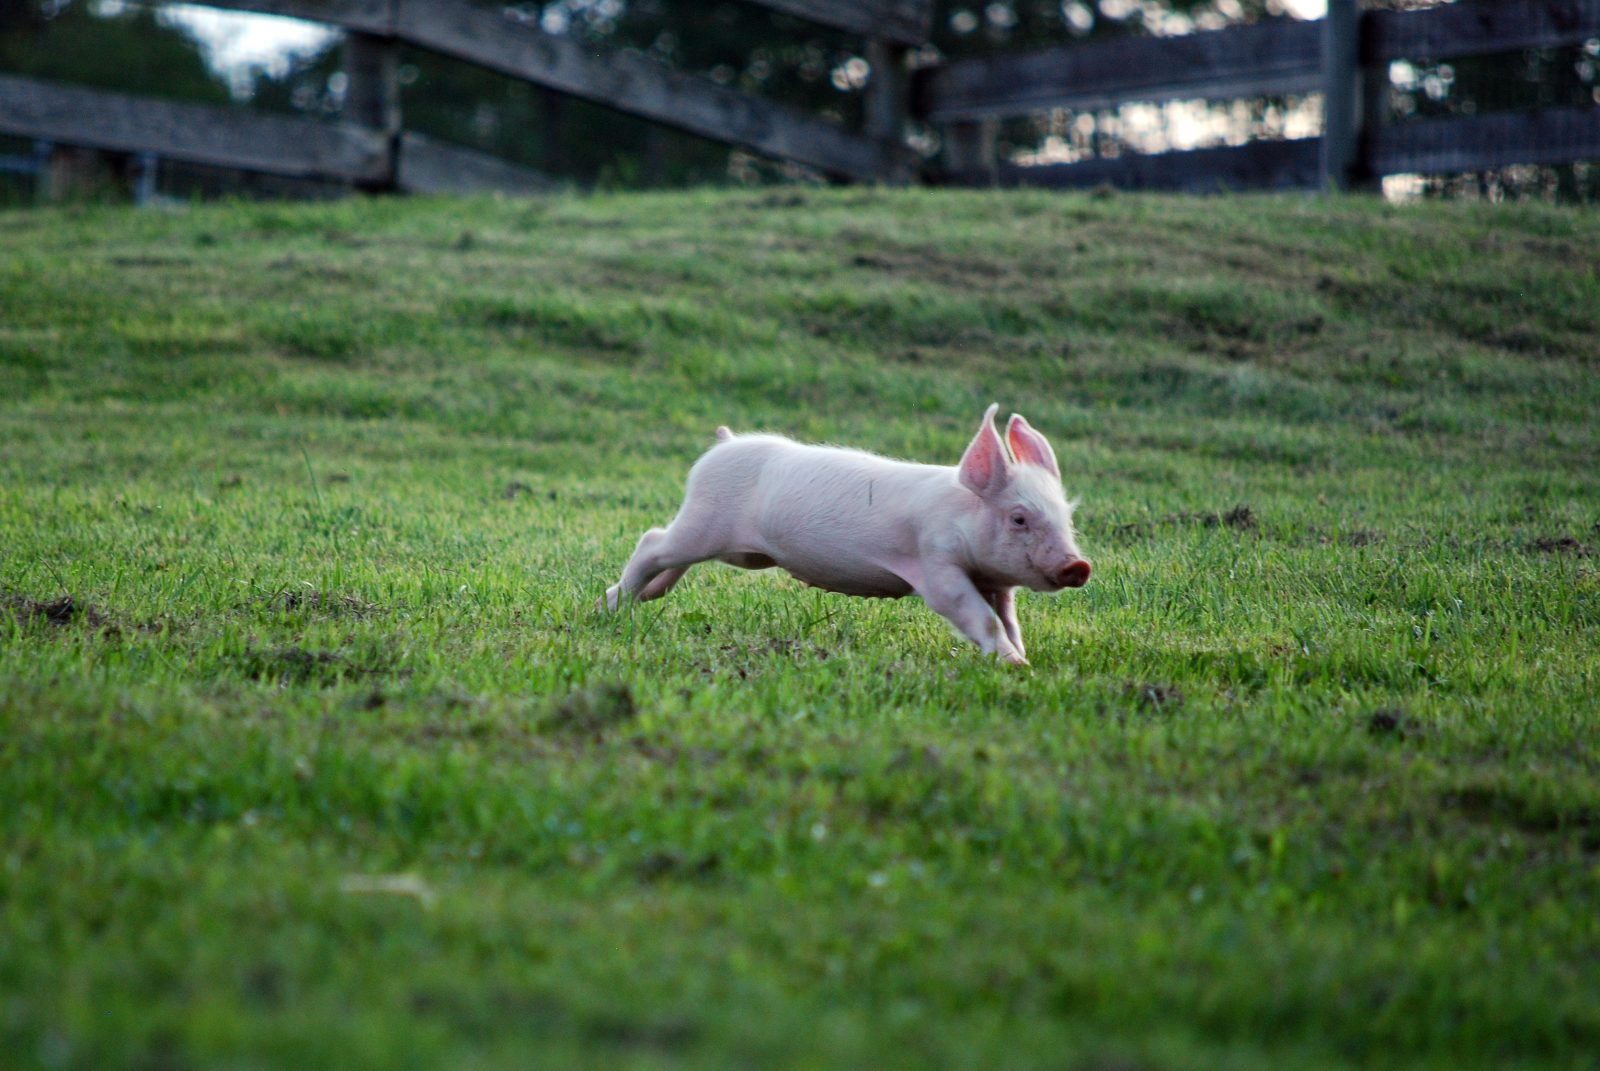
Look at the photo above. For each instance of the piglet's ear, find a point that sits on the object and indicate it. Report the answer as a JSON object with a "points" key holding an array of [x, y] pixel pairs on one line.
{"points": [[985, 468], [1030, 447]]}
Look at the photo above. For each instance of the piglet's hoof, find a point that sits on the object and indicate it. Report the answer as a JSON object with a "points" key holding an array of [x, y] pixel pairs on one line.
{"points": [[1012, 658]]}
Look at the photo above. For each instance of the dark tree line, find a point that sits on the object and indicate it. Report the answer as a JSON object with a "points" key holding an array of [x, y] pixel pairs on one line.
{"points": [[130, 51]]}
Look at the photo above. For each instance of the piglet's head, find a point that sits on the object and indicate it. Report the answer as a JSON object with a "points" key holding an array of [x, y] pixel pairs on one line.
{"points": [[1025, 534]]}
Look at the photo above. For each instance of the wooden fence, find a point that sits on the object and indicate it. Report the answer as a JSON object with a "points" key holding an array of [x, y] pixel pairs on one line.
{"points": [[369, 149], [1345, 57]]}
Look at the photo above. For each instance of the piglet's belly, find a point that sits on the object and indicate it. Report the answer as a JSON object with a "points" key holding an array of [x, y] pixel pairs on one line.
{"points": [[847, 578]]}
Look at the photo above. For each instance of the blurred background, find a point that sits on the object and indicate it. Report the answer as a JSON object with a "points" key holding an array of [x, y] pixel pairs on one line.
{"points": [[193, 53]]}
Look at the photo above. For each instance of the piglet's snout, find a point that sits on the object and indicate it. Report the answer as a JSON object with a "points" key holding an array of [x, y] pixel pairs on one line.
{"points": [[1074, 574]]}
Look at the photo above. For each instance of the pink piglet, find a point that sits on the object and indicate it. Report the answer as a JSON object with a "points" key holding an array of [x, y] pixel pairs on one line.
{"points": [[964, 538]]}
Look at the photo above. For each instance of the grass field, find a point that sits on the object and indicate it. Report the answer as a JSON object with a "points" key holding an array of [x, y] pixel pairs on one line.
{"points": [[314, 754]]}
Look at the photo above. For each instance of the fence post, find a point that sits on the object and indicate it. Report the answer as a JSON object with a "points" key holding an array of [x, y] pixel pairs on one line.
{"points": [[553, 149], [970, 152], [1341, 86], [1374, 112], [888, 100], [145, 171], [42, 151], [372, 92]]}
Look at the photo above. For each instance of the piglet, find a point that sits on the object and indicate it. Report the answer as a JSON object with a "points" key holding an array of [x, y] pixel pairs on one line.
{"points": [[964, 538]]}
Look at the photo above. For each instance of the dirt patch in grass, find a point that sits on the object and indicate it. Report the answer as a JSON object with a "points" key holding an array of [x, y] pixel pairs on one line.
{"points": [[1155, 697], [1561, 545], [659, 866], [931, 264], [665, 1034], [777, 200], [1358, 537], [467, 731], [744, 659], [292, 664], [1386, 723], [1392, 723], [592, 711], [1498, 803], [1240, 518], [313, 269], [67, 610], [666, 751], [791, 648], [265, 984], [326, 602], [140, 260]]}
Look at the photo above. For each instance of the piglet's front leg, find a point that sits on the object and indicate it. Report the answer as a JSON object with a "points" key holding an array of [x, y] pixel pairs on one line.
{"points": [[950, 593], [1004, 602]]}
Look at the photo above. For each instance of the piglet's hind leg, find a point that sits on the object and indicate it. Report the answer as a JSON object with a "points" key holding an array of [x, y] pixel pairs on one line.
{"points": [[661, 559], [661, 584]]}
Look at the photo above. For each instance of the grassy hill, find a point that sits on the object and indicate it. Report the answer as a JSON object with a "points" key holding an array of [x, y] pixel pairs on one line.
{"points": [[313, 753]]}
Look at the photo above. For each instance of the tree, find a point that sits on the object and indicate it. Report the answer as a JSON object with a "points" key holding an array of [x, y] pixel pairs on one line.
{"points": [[105, 46]]}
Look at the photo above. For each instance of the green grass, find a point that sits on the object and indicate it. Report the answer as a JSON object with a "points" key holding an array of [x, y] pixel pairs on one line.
{"points": [[330, 763]]}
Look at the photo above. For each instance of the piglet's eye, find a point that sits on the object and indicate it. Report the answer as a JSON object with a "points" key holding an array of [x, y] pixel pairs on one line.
{"points": [[1019, 520]]}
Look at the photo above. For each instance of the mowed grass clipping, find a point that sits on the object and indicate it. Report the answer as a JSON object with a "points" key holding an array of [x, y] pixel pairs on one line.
{"points": [[313, 752]]}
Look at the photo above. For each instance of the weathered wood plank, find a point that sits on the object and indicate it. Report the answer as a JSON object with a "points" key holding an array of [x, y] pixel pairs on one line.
{"points": [[970, 151], [885, 105], [1279, 56], [225, 137], [429, 166], [633, 83], [1474, 27], [368, 16], [12, 164], [372, 93], [1259, 165], [1435, 146], [1341, 94], [905, 22]]}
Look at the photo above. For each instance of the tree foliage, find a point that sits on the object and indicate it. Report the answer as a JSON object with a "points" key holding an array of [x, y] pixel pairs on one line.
{"points": [[105, 46]]}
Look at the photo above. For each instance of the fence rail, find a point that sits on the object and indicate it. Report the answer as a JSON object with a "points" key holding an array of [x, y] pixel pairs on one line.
{"points": [[1482, 143], [1477, 27], [1260, 165], [1344, 57], [199, 133], [904, 22], [1282, 56], [235, 138], [364, 16]]}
